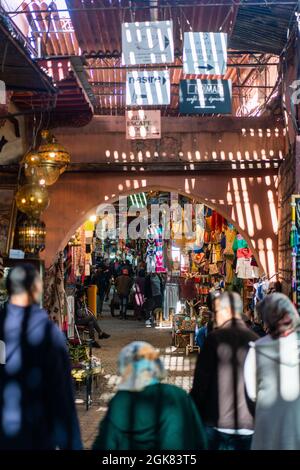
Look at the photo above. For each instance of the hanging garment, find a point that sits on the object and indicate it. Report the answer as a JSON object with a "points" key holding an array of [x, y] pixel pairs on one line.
{"points": [[230, 237], [229, 271], [244, 269], [200, 226], [239, 242], [217, 221], [244, 253], [171, 298]]}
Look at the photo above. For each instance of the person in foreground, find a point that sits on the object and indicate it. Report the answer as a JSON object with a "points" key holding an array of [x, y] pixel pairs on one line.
{"points": [[37, 410], [218, 389], [272, 376], [146, 414]]}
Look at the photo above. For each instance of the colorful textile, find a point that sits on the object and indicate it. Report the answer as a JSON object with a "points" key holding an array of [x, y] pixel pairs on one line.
{"points": [[244, 253], [239, 242], [244, 269], [140, 366]]}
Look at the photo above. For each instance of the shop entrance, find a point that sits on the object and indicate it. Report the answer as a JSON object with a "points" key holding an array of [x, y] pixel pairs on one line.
{"points": [[210, 256]]}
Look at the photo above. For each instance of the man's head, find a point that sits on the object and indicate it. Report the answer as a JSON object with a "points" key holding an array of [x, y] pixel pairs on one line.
{"points": [[228, 305], [24, 285]]}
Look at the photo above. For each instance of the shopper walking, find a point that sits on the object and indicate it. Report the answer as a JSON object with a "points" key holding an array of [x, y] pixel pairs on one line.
{"points": [[139, 294], [219, 389], [123, 285], [154, 290], [272, 376], [146, 414], [37, 408], [102, 280]]}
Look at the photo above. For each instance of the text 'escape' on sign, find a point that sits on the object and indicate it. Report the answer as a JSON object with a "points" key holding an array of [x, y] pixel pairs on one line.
{"points": [[141, 124]]}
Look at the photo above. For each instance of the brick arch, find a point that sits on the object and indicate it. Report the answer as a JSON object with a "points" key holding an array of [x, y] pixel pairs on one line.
{"points": [[244, 201]]}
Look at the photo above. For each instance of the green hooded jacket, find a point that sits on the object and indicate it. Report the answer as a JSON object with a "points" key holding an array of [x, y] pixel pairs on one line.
{"points": [[161, 417]]}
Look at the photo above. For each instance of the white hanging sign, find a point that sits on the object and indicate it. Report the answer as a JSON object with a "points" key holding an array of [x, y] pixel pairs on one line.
{"points": [[205, 53], [147, 43], [143, 124], [148, 88]]}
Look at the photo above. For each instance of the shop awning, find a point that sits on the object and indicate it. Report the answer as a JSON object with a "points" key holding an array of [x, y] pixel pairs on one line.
{"points": [[17, 69]]}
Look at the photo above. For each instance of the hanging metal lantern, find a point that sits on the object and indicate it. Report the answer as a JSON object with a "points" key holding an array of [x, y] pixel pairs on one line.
{"points": [[52, 153], [32, 199], [32, 235], [40, 170]]}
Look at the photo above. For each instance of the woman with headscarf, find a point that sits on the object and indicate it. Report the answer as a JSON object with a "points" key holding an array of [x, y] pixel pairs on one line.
{"points": [[146, 414], [272, 376]]}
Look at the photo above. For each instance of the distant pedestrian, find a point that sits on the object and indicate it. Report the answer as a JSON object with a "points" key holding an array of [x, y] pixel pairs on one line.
{"points": [[123, 284], [37, 410]]}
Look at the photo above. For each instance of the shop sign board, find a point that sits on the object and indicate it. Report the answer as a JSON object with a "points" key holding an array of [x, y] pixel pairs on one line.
{"points": [[205, 53], [16, 254], [148, 88], [141, 124], [205, 96], [147, 43]]}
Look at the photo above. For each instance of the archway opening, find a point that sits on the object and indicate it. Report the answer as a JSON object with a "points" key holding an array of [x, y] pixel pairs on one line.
{"points": [[202, 253]]}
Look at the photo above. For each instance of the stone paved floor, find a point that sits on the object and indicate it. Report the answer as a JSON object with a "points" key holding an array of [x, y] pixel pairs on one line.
{"points": [[179, 367]]}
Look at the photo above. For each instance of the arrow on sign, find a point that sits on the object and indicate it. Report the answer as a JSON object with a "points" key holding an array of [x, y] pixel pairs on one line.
{"points": [[167, 42], [205, 67]]}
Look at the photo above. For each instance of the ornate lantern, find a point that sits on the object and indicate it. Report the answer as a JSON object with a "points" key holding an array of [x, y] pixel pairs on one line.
{"points": [[40, 170], [52, 154], [32, 199], [32, 234]]}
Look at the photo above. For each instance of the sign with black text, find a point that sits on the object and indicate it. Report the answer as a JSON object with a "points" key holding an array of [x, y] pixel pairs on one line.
{"points": [[148, 88], [143, 124], [147, 43], [205, 96], [205, 53]]}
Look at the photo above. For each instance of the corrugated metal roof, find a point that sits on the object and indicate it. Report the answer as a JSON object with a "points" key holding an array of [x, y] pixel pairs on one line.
{"points": [[93, 27], [262, 28]]}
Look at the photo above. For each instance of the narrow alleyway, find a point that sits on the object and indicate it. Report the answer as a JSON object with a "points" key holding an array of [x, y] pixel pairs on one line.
{"points": [[178, 366]]}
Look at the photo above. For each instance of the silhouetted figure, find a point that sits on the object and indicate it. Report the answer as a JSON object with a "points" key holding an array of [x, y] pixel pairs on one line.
{"points": [[37, 408], [272, 376], [146, 414], [219, 389]]}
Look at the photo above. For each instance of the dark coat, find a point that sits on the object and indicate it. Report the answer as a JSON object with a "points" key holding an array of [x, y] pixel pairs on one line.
{"points": [[219, 388], [37, 409]]}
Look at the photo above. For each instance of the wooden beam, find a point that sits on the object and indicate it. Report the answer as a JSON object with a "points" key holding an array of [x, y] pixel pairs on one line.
{"points": [[116, 124]]}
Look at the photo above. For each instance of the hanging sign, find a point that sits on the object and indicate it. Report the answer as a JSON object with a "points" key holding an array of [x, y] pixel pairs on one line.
{"points": [[205, 53], [205, 96], [143, 124], [148, 88], [147, 43]]}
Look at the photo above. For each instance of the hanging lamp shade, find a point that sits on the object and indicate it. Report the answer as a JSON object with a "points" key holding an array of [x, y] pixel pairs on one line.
{"points": [[32, 199], [32, 235], [40, 170], [52, 153]]}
